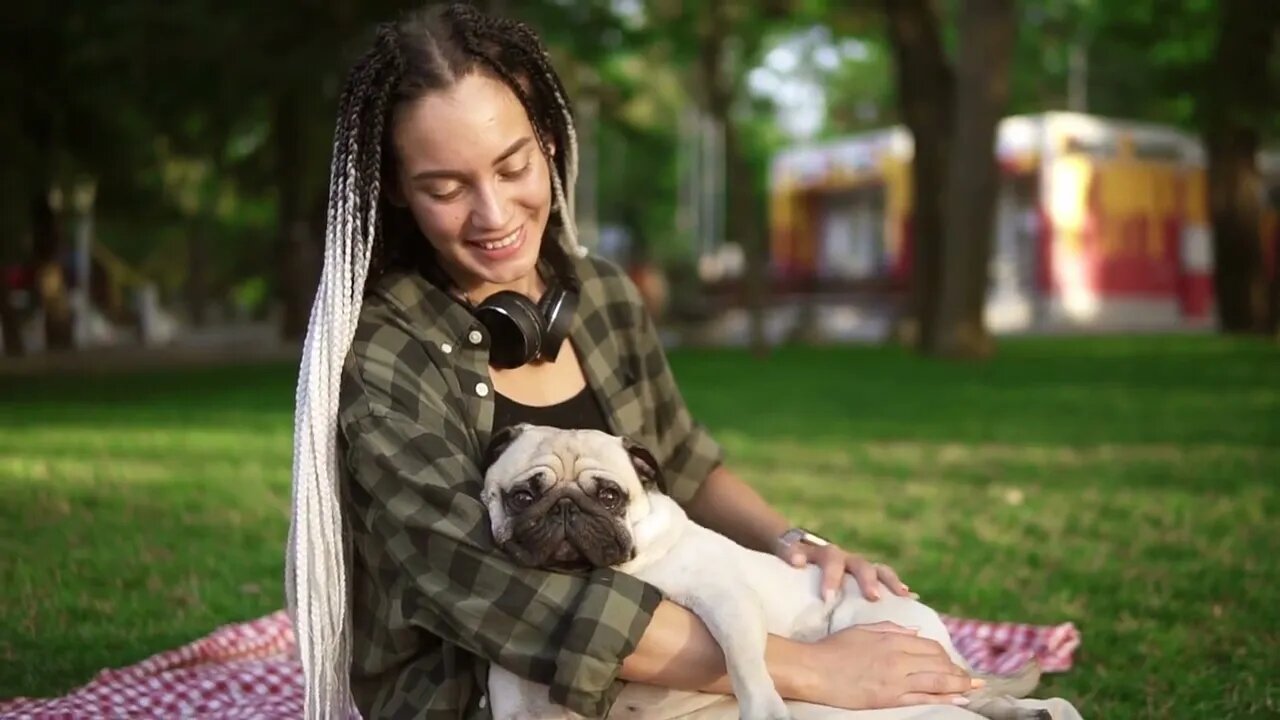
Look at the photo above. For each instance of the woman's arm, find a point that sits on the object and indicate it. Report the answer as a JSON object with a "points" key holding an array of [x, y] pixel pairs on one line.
{"points": [[678, 651], [860, 668], [733, 508]]}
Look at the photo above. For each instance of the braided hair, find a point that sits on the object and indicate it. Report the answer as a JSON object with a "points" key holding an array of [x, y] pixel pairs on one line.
{"points": [[366, 236]]}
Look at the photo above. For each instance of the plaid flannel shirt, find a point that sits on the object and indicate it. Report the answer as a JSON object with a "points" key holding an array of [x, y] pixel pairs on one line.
{"points": [[433, 600]]}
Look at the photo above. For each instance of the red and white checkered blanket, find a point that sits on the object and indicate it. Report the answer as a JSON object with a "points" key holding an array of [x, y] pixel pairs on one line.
{"points": [[247, 671]]}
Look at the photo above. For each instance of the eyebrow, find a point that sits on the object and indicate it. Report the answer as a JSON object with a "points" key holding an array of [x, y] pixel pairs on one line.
{"points": [[512, 149]]}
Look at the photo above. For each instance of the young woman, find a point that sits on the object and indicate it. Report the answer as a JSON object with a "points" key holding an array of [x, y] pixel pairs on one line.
{"points": [[451, 212]]}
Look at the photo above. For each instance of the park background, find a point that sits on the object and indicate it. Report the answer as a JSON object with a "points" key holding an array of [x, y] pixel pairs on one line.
{"points": [[986, 289]]}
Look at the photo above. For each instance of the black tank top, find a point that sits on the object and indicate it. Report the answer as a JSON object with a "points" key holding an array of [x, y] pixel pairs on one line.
{"points": [[580, 412]]}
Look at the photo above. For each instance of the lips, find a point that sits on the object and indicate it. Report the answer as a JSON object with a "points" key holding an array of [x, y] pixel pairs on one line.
{"points": [[502, 247]]}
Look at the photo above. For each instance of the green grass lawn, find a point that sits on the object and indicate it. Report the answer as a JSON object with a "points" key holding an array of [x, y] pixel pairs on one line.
{"points": [[1127, 485]]}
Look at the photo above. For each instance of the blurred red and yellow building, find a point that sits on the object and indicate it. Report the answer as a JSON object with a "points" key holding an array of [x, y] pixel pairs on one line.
{"points": [[1097, 221]]}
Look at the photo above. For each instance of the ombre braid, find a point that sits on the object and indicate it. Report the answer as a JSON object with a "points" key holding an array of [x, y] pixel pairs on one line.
{"points": [[366, 236]]}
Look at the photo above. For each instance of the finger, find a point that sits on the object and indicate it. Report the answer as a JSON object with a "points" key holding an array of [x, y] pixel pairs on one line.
{"points": [[798, 559], [832, 577], [924, 646], [938, 683], [890, 578], [891, 627], [865, 573], [931, 663], [925, 699]]}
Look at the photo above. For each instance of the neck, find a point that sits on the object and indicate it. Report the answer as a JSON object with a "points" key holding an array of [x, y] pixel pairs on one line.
{"points": [[657, 533], [476, 291]]}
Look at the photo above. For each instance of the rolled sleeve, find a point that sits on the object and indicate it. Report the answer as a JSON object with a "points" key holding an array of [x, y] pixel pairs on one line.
{"points": [[686, 449], [614, 611], [416, 518]]}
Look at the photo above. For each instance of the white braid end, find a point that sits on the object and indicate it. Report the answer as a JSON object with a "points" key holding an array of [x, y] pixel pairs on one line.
{"points": [[316, 564]]}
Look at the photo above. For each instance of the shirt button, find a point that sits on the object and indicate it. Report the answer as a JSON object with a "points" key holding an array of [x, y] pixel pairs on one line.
{"points": [[446, 348], [475, 337], [482, 389]]}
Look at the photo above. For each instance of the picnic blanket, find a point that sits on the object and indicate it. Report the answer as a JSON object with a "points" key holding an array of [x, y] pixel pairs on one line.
{"points": [[248, 671]]}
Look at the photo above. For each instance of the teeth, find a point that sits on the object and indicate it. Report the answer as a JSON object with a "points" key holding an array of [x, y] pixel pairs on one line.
{"points": [[499, 244]]}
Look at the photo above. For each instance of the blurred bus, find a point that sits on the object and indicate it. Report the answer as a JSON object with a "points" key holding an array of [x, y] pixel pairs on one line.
{"points": [[1098, 222]]}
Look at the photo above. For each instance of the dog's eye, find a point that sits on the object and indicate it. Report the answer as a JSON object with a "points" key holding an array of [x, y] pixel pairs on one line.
{"points": [[520, 499], [609, 497]]}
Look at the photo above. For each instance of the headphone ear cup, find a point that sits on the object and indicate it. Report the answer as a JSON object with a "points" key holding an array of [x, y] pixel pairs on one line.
{"points": [[515, 328], [557, 307]]}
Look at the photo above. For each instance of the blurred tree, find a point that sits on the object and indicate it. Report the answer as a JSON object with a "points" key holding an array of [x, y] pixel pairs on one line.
{"points": [[986, 29], [926, 88], [1239, 101], [719, 41], [952, 112], [48, 52]]}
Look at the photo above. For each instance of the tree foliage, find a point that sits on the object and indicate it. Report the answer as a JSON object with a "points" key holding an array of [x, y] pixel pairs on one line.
{"points": [[206, 127]]}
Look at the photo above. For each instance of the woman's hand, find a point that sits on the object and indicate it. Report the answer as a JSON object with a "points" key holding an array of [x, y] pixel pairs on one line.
{"points": [[835, 562], [868, 667]]}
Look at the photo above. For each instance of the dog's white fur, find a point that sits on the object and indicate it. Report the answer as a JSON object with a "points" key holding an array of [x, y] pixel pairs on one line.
{"points": [[741, 595]]}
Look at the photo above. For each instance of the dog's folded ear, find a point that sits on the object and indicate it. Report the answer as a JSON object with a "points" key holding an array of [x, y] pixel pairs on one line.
{"points": [[646, 465], [499, 443]]}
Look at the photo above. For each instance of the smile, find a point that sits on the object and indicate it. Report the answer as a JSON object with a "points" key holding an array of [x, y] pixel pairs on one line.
{"points": [[502, 242]]}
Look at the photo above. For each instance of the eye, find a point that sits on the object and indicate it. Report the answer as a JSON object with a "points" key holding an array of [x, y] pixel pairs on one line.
{"points": [[509, 174], [609, 497], [446, 195], [517, 173], [520, 500]]}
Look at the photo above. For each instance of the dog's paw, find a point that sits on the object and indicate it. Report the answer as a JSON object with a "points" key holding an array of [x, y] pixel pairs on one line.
{"points": [[765, 708], [1007, 708], [784, 716]]}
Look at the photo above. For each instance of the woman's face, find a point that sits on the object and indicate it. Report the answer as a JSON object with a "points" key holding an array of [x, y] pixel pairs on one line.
{"points": [[478, 187]]}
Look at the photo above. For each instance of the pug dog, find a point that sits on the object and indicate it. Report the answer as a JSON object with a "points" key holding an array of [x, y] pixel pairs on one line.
{"points": [[579, 499]]}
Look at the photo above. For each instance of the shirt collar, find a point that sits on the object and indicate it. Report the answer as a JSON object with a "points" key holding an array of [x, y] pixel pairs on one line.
{"points": [[435, 313], [441, 317]]}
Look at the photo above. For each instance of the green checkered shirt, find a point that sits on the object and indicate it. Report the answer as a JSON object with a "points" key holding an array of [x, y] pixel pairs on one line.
{"points": [[433, 600]]}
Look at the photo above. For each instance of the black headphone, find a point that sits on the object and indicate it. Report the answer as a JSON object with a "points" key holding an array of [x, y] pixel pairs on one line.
{"points": [[520, 330]]}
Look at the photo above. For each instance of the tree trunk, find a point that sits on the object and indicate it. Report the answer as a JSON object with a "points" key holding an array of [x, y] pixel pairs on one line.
{"points": [[50, 277], [1235, 207], [11, 327], [925, 91], [719, 89], [10, 321], [13, 253], [743, 223], [295, 263], [982, 90], [1237, 100], [198, 269], [1275, 285]]}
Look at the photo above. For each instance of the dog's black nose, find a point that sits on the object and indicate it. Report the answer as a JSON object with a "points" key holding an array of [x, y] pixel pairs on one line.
{"points": [[566, 507]]}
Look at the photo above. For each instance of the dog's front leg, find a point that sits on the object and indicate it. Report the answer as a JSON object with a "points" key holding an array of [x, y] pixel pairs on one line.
{"points": [[512, 697], [737, 622]]}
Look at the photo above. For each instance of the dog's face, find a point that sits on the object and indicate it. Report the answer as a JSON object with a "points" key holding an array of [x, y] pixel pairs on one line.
{"points": [[566, 499]]}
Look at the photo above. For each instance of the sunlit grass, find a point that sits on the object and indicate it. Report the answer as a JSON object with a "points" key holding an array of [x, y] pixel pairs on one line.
{"points": [[1126, 485]]}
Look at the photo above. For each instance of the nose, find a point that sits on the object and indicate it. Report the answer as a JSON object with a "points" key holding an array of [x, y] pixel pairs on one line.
{"points": [[488, 212], [566, 508]]}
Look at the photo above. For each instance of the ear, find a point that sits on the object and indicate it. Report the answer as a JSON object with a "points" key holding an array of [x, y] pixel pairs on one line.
{"points": [[499, 443], [645, 464]]}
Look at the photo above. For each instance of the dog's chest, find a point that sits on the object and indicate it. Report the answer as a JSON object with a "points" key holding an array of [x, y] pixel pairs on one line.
{"points": [[708, 571]]}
